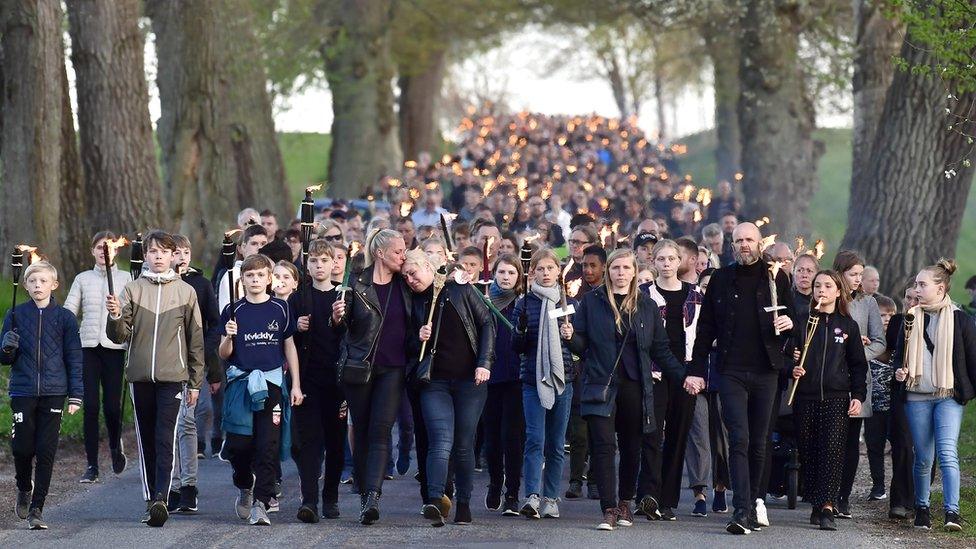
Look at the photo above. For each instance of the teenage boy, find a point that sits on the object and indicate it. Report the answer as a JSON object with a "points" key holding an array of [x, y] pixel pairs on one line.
{"points": [[41, 342], [320, 426], [257, 341], [183, 492], [158, 316]]}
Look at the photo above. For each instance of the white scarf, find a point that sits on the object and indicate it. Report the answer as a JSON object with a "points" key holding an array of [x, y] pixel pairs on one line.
{"points": [[550, 375]]}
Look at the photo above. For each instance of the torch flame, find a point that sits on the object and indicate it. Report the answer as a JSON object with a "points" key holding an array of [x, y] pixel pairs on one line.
{"points": [[605, 233], [800, 246], [767, 242], [354, 249], [113, 245], [573, 287], [704, 197], [569, 266], [762, 221], [528, 239], [313, 188], [774, 268], [488, 245], [819, 248], [30, 251], [404, 209]]}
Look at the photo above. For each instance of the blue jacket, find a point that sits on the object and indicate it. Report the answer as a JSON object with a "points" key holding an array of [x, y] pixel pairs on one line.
{"points": [[525, 344], [48, 361], [240, 404], [506, 366]]}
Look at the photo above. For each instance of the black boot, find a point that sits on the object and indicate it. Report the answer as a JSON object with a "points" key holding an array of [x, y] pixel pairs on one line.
{"points": [[371, 509]]}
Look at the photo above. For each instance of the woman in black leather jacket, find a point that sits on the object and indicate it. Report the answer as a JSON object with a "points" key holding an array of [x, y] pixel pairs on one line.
{"points": [[373, 359], [831, 385], [452, 378]]}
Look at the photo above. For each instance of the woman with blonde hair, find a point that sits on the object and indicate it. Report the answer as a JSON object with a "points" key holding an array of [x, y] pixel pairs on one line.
{"points": [[619, 332]]}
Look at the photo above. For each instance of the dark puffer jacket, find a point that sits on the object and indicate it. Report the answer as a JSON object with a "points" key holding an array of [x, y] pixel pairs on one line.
{"points": [[48, 361]]}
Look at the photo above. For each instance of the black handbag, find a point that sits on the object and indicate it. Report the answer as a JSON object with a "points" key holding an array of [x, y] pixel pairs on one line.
{"points": [[360, 372], [421, 374], [599, 393]]}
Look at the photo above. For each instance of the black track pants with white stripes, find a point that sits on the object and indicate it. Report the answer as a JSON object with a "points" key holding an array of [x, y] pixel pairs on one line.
{"points": [[156, 406]]}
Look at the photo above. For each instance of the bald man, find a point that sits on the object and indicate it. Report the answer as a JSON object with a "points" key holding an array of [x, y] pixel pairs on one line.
{"points": [[782, 253], [750, 358]]}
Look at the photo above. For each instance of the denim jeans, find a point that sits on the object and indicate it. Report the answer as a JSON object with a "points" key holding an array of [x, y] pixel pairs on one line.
{"points": [[935, 427], [545, 438], [451, 413]]}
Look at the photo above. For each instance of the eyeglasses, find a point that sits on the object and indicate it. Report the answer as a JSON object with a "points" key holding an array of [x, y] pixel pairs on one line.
{"points": [[333, 237], [574, 242]]}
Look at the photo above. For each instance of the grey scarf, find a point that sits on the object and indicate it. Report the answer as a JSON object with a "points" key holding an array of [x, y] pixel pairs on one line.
{"points": [[550, 376]]}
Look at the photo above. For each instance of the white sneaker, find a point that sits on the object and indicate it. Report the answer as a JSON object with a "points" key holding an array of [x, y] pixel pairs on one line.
{"points": [[259, 515], [530, 509], [761, 516], [550, 508], [245, 500]]}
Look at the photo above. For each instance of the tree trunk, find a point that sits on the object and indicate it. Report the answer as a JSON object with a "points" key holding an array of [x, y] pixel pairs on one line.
{"points": [[776, 119], [723, 51], [359, 69], [117, 150], [659, 100], [420, 93], [33, 90], [905, 212], [77, 227], [878, 40], [218, 156], [617, 85]]}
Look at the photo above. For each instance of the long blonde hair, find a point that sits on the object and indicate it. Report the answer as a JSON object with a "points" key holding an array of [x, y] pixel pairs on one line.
{"points": [[629, 304], [377, 240]]}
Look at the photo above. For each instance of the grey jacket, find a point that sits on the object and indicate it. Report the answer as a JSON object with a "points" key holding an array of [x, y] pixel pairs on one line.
{"points": [[864, 311], [86, 299]]}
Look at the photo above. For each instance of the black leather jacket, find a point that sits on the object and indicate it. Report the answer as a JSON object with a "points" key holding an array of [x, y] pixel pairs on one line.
{"points": [[364, 317], [477, 319]]}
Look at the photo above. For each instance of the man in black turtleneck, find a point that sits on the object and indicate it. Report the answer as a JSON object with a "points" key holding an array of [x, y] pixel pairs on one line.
{"points": [[750, 357]]}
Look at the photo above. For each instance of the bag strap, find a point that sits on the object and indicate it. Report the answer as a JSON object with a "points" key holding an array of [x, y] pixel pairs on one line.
{"points": [[386, 306], [620, 353]]}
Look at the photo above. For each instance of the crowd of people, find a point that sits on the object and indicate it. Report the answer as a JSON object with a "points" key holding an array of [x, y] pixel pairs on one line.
{"points": [[552, 292]]}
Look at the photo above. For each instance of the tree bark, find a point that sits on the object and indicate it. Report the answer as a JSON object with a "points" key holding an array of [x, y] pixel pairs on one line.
{"points": [[878, 40], [776, 119], [359, 69], [77, 227], [723, 52], [420, 94], [33, 91], [905, 212], [659, 98], [219, 151], [117, 150]]}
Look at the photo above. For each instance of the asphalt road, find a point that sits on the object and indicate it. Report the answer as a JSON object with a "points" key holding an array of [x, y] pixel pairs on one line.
{"points": [[108, 515]]}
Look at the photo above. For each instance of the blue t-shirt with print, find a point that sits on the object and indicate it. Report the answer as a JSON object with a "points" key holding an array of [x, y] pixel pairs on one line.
{"points": [[262, 329]]}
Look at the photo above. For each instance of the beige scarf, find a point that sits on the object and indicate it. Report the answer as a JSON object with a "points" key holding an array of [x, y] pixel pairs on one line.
{"points": [[942, 377]]}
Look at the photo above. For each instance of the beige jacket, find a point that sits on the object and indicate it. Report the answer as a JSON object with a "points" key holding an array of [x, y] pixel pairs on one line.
{"points": [[161, 322]]}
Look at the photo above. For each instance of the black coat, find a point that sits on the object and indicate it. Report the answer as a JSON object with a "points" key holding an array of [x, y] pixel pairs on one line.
{"points": [[210, 315], [963, 356], [717, 320], [595, 339], [835, 363], [479, 324], [364, 316]]}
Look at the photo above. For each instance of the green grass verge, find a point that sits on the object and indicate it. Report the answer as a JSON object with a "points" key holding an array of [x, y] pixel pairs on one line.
{"points": [[828, 209], [306, 158]]}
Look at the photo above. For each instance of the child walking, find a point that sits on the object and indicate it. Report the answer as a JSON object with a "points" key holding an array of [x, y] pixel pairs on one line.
{"points": [[41, 342]]}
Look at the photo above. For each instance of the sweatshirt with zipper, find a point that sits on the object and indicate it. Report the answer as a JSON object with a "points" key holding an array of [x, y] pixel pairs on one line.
{"points": [[835, 363], [160, 320]]}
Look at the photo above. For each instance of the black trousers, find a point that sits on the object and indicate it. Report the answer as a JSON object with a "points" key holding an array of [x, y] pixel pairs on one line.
{"points": [[875, 438], [852, 456], [763, 487], [902, 491], [102, 368], [254, 457], [623, 428], [821, 432], [156, 406], [719, 441], [747, 406], [649, 480], [319, 435], [677, 423], [374, 408], [34, 442], [505, 435], [577, 437]]}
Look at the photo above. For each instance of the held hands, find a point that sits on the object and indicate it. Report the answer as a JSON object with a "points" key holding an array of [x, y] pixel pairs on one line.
{"points": [[112, 305], [694, 385], [783, 323], [798, 372], [425, 331], [231, 328], [566, 330], [901, 374], [297, 396], [338, 311], [481, 375], [865, 340], [855, 408], [192, 396], [303, 322], [73, 409]]}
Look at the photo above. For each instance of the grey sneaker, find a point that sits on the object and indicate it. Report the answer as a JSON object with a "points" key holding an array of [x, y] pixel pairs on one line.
{"points": [[34, 520], [550, 508], [530, 509], [23, 503], [259, 515], [245, 499]]}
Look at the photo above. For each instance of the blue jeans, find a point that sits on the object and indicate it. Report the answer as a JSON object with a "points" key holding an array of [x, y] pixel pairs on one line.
{"points": [[545, 437], [451, 413], [935, 427]]}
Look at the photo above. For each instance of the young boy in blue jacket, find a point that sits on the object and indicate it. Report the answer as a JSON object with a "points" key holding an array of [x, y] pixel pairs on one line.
{"points": [[41, 341]]}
